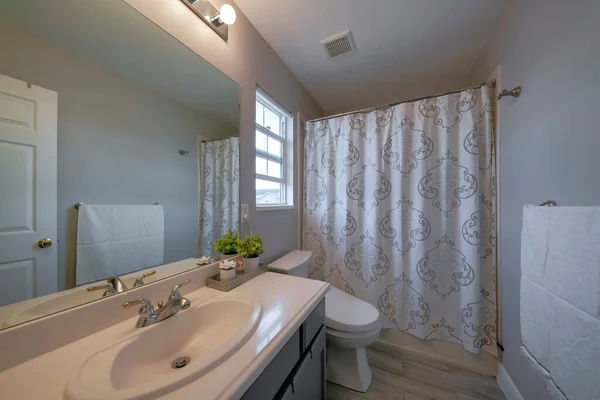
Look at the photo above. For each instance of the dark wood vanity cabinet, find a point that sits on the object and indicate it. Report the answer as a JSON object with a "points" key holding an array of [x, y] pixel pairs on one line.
{"points": [[308, 379], [298, 371]]}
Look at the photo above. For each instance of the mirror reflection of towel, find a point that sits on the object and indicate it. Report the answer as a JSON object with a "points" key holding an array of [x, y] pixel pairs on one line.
{"points": [[115, 240]]}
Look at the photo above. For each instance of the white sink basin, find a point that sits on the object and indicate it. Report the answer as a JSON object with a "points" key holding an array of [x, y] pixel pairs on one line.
{"points": [[142, 366]]}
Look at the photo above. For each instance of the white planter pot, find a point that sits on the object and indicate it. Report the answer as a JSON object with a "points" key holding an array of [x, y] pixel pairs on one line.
{"points": [[227, 274], [250, 264]]}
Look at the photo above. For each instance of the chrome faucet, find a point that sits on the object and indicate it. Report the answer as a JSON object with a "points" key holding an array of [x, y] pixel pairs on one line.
{"points": [[148, 315], [113, 285], [139, 281]]}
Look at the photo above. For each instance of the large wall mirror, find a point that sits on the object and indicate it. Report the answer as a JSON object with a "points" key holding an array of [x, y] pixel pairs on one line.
{"points": [[119, 155]]}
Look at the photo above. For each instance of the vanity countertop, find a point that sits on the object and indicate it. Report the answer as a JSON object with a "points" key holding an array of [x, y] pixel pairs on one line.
{"points": [[286, 300]]}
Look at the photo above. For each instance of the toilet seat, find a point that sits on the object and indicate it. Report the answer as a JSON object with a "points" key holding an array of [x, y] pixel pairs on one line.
{"points": [[346, 313], [352, 335], [351, 340]]}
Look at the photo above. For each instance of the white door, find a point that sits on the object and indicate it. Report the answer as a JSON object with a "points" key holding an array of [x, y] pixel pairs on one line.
{"points": [[28, 126]]}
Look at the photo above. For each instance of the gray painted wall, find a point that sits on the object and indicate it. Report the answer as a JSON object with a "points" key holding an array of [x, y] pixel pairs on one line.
{"points": [[117, 143], [550, 141]]}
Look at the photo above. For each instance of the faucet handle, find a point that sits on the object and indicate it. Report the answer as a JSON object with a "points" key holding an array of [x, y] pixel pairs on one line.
{"points": [[146, 304], [129, 304], [140, 279], [108, 289], [94, 288], [175, 292]]}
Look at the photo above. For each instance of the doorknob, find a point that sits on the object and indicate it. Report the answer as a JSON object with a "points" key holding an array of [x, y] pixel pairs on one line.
{"points": [[45, 243]]}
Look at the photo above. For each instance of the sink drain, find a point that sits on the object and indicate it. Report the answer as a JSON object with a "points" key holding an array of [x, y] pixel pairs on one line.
{"points": [[180, 362]]}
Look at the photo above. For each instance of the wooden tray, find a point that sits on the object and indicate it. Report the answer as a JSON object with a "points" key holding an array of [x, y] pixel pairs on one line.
{"points": [[225, 286]]}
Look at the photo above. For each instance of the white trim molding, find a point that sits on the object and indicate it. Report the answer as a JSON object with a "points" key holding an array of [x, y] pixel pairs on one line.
{"points": [[299, 177], [507, 385], [275, 207], [497, 76]]}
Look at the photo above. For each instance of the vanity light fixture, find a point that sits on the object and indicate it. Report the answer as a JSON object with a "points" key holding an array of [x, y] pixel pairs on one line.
{"points": [[218, 20], [227, 14]]}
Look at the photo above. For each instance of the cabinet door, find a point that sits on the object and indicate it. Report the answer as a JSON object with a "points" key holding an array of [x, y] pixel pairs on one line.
{"points": [[311, 326], [270, 381], [309, 381], [289, 393]]}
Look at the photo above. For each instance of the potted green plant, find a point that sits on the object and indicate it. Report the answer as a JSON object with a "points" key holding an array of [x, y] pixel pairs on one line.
{"points": [[251, 247], [227, 244]]}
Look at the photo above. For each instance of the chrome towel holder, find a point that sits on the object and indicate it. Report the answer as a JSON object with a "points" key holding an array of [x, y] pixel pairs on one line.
{"points": [[80, 204]]}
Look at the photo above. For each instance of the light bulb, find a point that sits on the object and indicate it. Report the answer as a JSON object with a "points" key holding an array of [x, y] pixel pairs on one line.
{"points": [[227, 14]]}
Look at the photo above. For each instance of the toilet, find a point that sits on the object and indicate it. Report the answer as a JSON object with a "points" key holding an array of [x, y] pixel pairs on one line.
{"points": [[351, 324]]}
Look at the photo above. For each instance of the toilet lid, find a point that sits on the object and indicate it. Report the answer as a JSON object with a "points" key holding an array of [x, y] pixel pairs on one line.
{"points": [[346, 313]]}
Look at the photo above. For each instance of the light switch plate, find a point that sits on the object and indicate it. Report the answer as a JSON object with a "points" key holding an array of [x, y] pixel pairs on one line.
{"points": [[244, 212]]}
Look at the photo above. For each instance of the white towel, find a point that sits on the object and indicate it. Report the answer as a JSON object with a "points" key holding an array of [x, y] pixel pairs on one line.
{"points": [[535, 319], [560, 250], [554, 392], [115, 240], [560, 298], [564, 340]]}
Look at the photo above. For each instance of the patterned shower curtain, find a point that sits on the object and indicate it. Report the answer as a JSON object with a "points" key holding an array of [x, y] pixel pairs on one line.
{"points": [[399, 210], [219, 166]]}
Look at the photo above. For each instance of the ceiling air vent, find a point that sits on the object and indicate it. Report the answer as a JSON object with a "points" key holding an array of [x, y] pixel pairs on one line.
{"points": [[338, 45]]}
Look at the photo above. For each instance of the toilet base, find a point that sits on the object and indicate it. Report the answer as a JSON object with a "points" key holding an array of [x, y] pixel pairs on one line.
{"points": [[349, 368]]}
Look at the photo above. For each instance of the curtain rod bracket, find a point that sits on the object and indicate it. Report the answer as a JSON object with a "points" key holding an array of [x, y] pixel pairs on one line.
{"points": [[516, 92]]}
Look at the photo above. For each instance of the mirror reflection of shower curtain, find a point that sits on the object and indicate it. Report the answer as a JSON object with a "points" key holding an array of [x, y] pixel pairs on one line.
{"points": [[219, 164]]}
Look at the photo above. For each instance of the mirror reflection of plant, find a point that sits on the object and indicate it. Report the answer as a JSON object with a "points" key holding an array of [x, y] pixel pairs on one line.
{"points": [[228, 243], [250, 246]]}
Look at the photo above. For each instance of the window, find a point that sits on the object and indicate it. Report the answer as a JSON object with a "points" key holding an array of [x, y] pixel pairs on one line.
{"points": [[274, 154]]}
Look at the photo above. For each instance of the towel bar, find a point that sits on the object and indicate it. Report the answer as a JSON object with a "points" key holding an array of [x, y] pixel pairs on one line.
{"points": [[79, 204]]}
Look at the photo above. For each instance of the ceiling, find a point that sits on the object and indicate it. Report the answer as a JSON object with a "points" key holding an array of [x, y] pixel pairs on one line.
{"points": [[404, 48], [116, 36]]}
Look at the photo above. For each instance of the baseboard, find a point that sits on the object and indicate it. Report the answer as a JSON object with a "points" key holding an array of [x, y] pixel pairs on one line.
{"points": [[405, 345], [507, 385]]}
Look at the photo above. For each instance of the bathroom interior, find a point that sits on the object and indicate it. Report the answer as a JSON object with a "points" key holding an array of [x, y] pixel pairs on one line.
{"points": [[209, 199]]}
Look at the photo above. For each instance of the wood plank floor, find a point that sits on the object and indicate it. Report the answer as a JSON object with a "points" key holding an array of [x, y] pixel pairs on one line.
{"points": [[401, 378]]}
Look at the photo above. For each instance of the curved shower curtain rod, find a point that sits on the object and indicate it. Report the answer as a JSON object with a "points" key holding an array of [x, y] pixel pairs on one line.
{"points": [[216, 140], [491, 84]]}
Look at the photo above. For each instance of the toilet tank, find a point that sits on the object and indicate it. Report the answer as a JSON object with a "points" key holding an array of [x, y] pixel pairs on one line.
{"points": [[293, 263]]}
